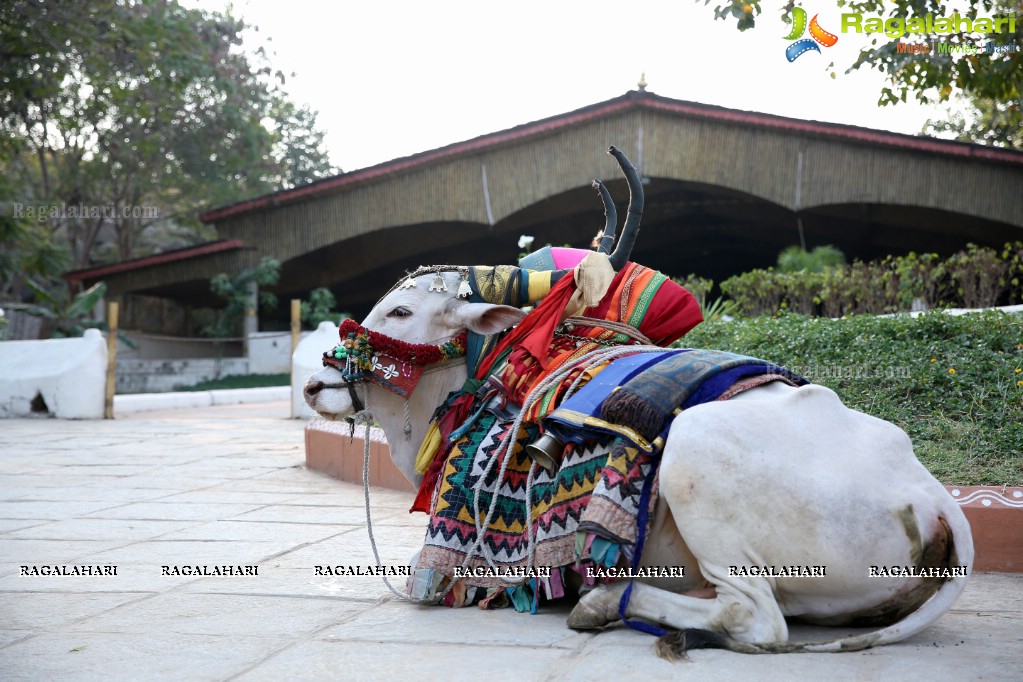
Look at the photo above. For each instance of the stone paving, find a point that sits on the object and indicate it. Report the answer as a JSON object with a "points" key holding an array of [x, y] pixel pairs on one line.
{"points": [[227, 486]]}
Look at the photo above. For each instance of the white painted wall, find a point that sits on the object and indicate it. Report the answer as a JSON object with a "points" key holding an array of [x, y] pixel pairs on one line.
{"points": [[307, 361], [69, 375], [270, 352]]}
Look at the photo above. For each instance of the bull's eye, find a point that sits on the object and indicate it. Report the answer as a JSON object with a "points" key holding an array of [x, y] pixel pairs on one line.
{"points": [[400, 311]]}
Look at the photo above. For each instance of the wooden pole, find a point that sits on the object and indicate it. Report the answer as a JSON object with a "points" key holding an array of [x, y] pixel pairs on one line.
{"points": [[296, 335], [108, 404]]}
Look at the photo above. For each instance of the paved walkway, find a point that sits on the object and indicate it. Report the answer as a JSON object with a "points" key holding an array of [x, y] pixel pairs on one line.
{"points": [[226, 486]]}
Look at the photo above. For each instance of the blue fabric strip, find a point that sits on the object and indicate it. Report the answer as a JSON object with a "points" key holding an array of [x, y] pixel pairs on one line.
{"points": [[641, 523], [563, 423]]}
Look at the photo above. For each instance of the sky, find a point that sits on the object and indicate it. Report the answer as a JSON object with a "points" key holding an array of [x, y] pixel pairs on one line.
{"points": [[390, 79]]}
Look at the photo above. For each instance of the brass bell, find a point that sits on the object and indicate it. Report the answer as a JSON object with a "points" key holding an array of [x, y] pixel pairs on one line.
{"points": [[547, 452]]}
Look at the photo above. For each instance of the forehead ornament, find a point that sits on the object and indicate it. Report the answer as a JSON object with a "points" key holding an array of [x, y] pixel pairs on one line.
{"points": [[438, 284]]}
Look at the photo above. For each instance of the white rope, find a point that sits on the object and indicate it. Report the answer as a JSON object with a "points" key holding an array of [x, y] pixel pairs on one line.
{"points": [[366, 418], [503, 453], [363, 417]]}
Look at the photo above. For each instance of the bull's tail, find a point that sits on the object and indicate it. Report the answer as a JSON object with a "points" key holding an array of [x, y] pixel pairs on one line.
{"points": [[673, 646]]}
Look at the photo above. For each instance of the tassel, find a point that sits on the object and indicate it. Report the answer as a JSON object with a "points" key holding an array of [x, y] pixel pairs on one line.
{"points": [[408, 422], [627, 409]]}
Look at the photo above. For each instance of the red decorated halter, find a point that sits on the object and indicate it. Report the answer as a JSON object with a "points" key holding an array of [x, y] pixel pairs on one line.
{"points": [[364, 355]]}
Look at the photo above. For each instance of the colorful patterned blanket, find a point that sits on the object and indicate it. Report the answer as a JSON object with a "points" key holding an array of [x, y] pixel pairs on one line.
{"points": [[583, 514]]}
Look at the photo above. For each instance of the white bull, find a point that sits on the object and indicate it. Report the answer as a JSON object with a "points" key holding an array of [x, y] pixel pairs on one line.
{"points": [[775, 477]]}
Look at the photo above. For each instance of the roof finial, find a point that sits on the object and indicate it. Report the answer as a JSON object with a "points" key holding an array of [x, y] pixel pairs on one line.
{"points": [[642, 82]]}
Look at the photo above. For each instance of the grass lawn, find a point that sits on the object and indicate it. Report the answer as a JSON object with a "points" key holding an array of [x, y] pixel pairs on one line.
{"points": [[241, 381], [955, 384]]}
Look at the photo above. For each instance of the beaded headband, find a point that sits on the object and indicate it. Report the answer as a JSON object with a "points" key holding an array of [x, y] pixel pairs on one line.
{"points": [[438, 284], [364, 355]]}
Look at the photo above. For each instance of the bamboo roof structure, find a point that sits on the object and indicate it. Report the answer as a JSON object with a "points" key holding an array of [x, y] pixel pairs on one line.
{"points": [[726, 190]]}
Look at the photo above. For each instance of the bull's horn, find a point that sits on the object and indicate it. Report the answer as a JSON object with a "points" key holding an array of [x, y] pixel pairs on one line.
{"points": [[607, 239], [635, 213]]}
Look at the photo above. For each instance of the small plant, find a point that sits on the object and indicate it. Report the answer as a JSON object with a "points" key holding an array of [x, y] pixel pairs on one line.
{"points": [[66, 317], [719, 309], [320, 308], [235, 291]]}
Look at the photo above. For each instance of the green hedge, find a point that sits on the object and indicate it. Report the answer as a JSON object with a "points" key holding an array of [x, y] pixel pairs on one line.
{"points": [[954, 383], [976, 277]]}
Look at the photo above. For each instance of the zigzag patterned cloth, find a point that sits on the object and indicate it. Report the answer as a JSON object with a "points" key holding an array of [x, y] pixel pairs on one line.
{"points": [[594, 494], [557, 503]]}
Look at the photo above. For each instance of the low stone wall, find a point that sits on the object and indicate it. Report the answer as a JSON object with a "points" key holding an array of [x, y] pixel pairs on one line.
{"points": [[331, 449], [160, 376], [63, 378], [995, 514]]}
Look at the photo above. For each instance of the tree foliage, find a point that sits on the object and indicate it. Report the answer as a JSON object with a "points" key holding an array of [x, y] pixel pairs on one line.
{"points": [[320, 308], [121, 119], [236, 293], [988, 87], [797, 259]]}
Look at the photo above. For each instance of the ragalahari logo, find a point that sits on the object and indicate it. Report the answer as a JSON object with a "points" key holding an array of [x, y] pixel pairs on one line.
{"points": [[817, 35]]}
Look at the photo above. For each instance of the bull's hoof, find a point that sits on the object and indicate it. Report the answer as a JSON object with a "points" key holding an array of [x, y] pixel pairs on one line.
{"points": [[584, 617]]}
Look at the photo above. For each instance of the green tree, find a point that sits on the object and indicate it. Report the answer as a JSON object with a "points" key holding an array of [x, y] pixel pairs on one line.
{"points": [[129, 117], [235, 293], [988, 87], [797, 259], [320, 308]]}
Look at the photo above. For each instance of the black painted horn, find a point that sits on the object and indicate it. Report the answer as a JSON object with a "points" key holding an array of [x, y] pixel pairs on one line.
{"points": [[635, 213], [607, 239], [621, 253]]}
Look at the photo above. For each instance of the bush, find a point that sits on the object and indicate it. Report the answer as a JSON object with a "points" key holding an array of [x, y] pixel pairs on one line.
{"points": [[979, 275], [954, 383], [975, 277], [924, 277], [756, 292], [798, 259]]}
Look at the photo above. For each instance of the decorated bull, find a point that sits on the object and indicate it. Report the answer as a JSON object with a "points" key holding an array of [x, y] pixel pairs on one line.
{"points": [[698, 495]]}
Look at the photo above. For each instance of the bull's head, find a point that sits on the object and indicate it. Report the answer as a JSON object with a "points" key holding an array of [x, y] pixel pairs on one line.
{"points": [[423, 310], [420, 314]]}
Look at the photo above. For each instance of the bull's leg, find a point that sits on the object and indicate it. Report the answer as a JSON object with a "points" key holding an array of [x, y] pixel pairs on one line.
{"points": [[744, 608]]}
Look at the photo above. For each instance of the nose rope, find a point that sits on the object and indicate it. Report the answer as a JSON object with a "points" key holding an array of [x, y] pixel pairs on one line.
{"points": [[355, 362]]}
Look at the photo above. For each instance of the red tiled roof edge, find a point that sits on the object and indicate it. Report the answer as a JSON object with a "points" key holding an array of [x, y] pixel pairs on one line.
{"points": [[881, 137], [633, 99], [155, 259]]}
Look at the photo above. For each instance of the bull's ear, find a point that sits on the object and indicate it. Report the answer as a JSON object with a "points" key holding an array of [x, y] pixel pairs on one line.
{"points": [[483, 318]]}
